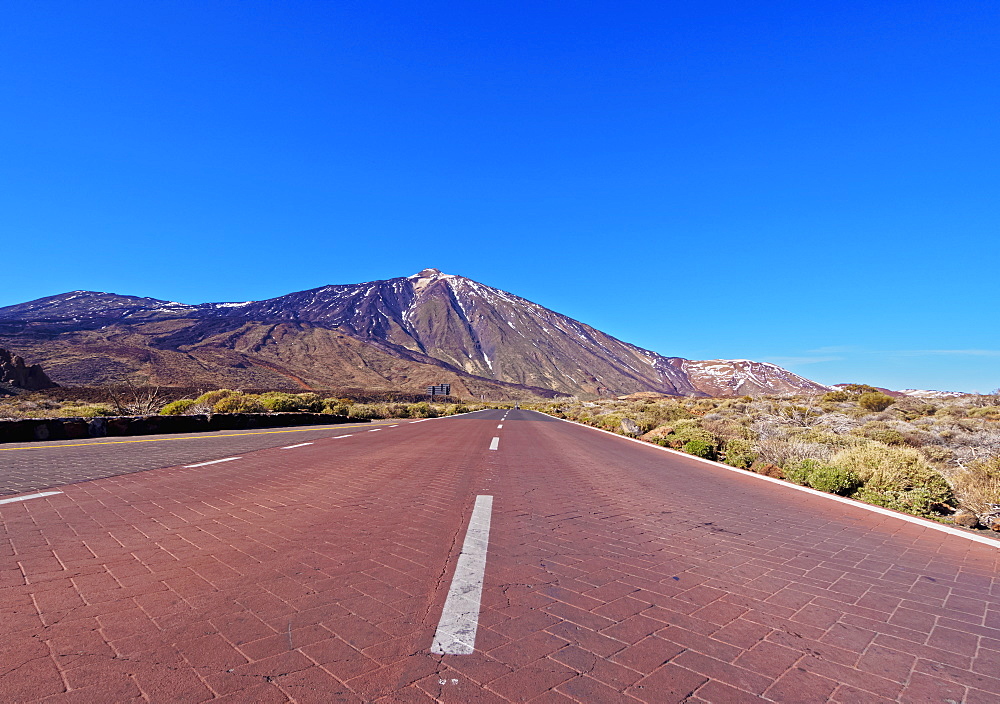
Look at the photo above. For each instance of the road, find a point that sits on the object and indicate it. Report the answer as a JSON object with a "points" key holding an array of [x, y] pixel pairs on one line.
{"points": [[342, 564]]}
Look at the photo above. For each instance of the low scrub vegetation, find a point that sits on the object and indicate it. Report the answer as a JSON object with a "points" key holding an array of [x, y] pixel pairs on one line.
{"points": [[229, 401], [935, 458], [93, 402]]}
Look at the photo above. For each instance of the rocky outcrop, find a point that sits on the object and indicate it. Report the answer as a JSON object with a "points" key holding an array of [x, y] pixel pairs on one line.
{"points": [[14, 372]]}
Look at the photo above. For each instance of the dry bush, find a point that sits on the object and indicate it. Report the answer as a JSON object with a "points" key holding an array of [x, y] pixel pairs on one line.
{"points": [[130, 399], [978, 485], [728, 429], [767, 469], [779, 451]]}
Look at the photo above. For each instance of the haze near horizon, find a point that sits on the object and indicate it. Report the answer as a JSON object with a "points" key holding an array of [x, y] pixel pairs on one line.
{"points": [[806, 184]]}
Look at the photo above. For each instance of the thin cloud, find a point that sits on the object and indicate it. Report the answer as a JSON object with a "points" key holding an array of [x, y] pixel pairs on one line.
{"points": [[947, 353]]}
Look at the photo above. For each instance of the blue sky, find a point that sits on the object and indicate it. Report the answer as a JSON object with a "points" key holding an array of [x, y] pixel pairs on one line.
{"points": [[809, 183]]}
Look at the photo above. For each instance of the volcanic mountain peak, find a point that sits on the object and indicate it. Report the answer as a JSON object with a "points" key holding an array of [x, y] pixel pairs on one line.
{"points": [[430, 318]]}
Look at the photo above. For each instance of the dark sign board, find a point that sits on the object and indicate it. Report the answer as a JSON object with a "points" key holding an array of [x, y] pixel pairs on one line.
{"points": [[439, 390]]}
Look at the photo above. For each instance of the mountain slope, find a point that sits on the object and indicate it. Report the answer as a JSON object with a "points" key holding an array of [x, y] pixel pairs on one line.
{"points": [[436, 323]]}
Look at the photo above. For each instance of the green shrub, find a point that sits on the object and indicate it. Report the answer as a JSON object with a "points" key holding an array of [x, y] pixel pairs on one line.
{"points": [[835, 396], [857, 390], [896, 475], [740, 453], [421, 410], [875, 401], [881, 432], [309, 402], [834, 480], [364, 411], [280, 402], [336, 406], [916, 501], [798, 472], [239, 403], [687, 430], [177, 408], [87, 411], [210, 398], [823, 477], [700, 448]]}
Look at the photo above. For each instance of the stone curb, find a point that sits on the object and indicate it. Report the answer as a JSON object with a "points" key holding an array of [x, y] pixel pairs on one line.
{"points": [[41, 429]]}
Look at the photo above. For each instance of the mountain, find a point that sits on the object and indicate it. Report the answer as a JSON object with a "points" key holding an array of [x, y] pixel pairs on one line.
{"points": [[403, 333]]}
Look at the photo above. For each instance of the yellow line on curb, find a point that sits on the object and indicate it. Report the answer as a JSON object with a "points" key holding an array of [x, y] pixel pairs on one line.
{"points": [[193, 437]]}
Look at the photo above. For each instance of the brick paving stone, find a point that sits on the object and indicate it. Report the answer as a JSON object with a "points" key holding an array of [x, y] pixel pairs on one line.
{"points": [[734, 676], [586, 689], [528, 649], [532, 680], [669, 683], [716, 692], [846, 694], [768, 659], [648, 654], [797, 685]]}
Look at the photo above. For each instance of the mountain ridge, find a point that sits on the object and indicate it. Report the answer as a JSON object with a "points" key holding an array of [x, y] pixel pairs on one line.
{"points": [[446, 321]]}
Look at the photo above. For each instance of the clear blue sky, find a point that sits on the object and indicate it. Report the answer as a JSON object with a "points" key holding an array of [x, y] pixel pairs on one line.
{"points": [[810, 183]]}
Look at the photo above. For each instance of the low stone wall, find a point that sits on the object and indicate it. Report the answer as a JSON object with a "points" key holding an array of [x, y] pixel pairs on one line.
{"points": [[30, 430]]}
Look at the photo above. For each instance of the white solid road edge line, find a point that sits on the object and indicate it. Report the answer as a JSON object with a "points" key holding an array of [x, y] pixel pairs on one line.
{"points": [[292, 447], [204, 464], [495, 444], [456, 631], [29, 496], [788, 485]]}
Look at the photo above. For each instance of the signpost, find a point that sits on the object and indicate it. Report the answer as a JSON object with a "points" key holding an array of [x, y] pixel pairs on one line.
{"points": [[439, 390]]}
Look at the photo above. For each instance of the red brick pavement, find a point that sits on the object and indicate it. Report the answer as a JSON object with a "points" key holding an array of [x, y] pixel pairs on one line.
{"points": [[30, 466], [616, 572], [621, 573]]}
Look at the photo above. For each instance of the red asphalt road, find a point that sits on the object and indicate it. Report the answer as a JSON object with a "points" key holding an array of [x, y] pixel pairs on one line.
{"points": [[615, 572]]}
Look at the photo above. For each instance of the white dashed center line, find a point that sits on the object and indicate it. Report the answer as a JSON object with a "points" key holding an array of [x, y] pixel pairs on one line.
{"points": [[205, 464], [29, 496], [499, 426], [292, 447], [336, 437], [456, 631], [374, 430], [495, 444]]}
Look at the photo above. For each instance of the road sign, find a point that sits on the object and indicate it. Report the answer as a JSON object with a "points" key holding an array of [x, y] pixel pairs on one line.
{"points": [[439, 390]]}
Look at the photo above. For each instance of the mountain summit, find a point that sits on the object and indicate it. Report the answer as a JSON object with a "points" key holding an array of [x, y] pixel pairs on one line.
{"points": [[395, 333]]}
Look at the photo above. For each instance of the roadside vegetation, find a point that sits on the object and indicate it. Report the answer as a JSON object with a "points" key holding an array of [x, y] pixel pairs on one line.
{"points": [[228, 401], [154, 401], [936, 458]]}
